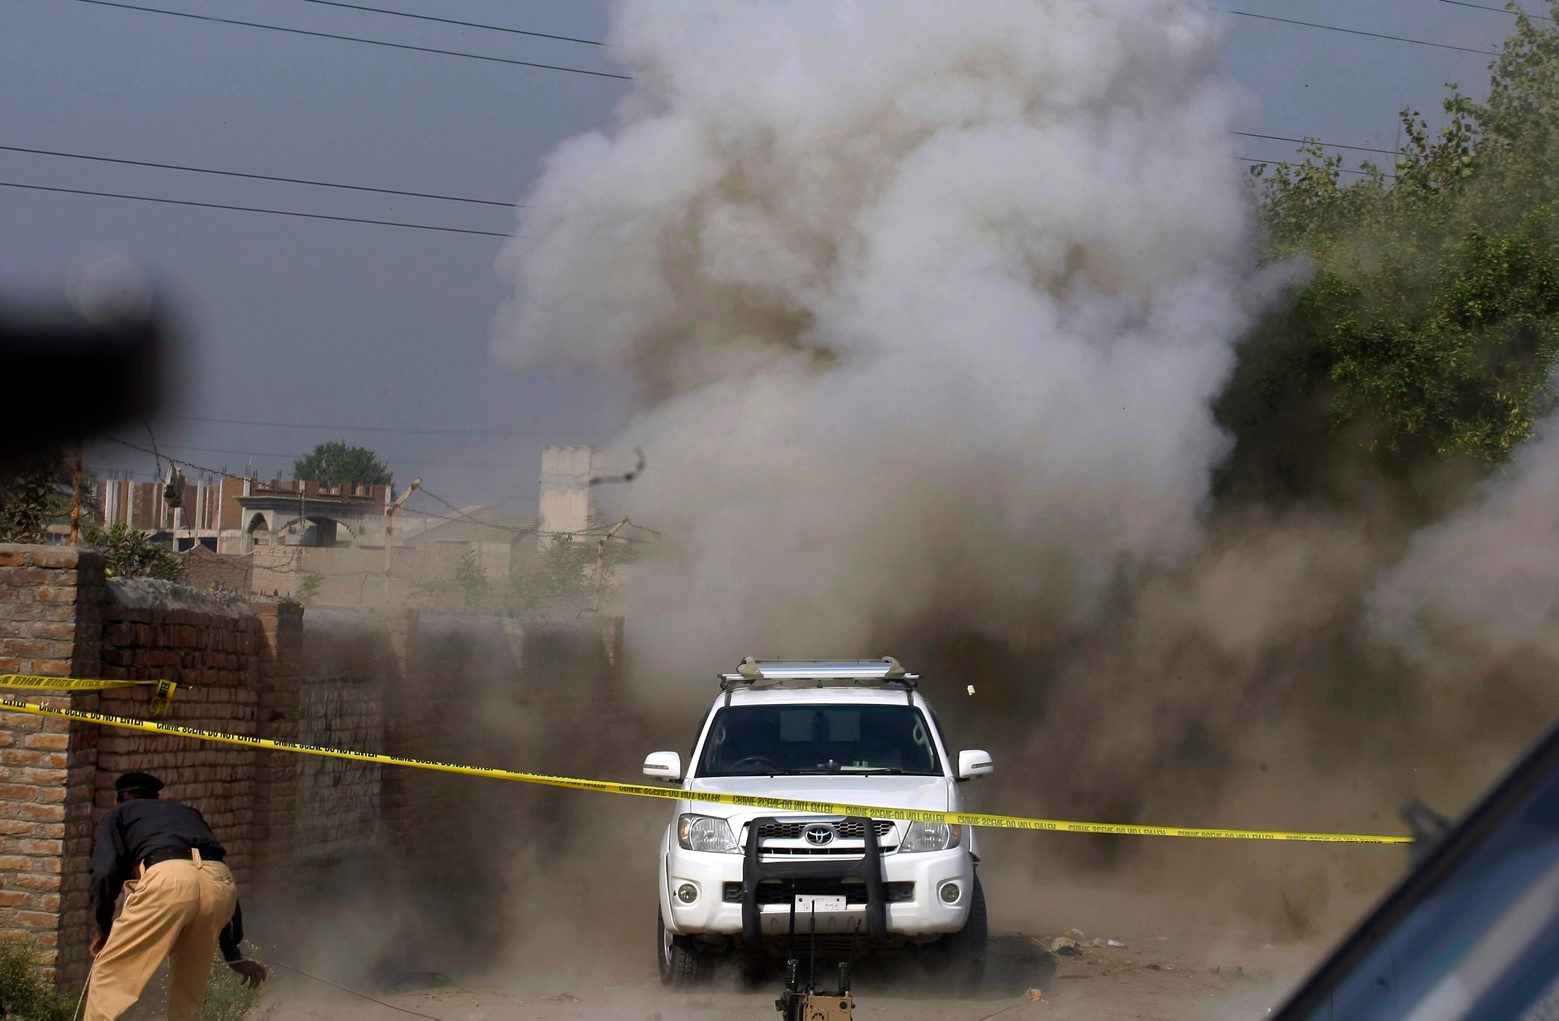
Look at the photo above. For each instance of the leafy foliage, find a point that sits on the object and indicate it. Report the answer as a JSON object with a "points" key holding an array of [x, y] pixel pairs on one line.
{"points": [[308, 589], [33, 493], [27, 499], [25, 992], [1429, 327], [227, 998], [334, 463], [563, 584], [471, 579], [566, 580], [130, 553]]}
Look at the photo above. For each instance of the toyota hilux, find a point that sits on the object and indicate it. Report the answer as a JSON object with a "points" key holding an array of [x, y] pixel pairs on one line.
{"points": [[744, 878]]}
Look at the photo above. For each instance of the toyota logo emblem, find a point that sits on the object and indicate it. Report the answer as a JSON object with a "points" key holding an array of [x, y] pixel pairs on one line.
{"points": [[818, 834]]}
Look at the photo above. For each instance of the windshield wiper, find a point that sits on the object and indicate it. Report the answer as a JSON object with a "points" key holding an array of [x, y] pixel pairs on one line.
{"points": [[867, 770]]}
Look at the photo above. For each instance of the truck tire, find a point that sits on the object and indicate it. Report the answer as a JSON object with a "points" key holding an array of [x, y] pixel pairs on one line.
{"points": [[680, 963], [962, 954]]}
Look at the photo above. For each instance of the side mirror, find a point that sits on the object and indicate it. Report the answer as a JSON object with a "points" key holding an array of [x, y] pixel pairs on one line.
{"points": [[663, 766], [974, 763]]}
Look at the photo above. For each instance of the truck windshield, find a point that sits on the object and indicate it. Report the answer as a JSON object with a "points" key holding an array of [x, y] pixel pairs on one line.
{"points": [[819, 739]]}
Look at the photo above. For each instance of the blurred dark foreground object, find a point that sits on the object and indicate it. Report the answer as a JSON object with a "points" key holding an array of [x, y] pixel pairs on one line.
{"points": [[70, 374], [1473, 931]]}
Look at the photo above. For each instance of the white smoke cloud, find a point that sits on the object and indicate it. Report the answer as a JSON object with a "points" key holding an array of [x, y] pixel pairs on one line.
{"points": [[927, 303]]}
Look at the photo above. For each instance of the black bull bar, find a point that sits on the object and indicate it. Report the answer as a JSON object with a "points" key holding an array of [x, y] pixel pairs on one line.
{"points": [[867, 868]]}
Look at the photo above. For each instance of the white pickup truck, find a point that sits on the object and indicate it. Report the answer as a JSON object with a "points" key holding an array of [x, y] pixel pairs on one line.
{"points": [[736, 878]]}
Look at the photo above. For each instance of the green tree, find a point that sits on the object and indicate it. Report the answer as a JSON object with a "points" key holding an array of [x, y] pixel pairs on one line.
{"points": [[30, 496], [471, 580], [566, 580], [1429, 326], [308, 590], [35, 491], [334, 463], [130, 553]]}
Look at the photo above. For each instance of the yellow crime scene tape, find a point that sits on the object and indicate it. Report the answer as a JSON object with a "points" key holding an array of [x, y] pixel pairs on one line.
{"points": [[1002, 822], [162, 694]]}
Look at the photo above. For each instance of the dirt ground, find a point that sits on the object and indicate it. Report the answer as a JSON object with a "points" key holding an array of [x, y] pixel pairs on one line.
{"points": [[1178, 975], [1212, 931]]}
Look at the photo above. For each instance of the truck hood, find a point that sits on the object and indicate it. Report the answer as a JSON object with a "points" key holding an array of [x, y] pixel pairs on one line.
{"points": [[928, 793]]}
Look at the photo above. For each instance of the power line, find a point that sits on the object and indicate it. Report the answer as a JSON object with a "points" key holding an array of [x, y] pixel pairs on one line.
{"points": [[1350, 31], [249, 209], [321, 427], [165, 457], [1318, 141], [1340, 170], [352, 39], [458, 198], [624, 77], [254, 177], [452, 21], [1496, 10], [519, 531], [293, 457]]}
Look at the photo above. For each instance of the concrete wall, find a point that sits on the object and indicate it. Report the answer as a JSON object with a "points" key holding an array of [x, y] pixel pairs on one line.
{"points": [[350, 576]]}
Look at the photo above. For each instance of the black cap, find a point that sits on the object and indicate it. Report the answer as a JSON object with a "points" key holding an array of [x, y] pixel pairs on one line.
{"points": [[139, 782]]}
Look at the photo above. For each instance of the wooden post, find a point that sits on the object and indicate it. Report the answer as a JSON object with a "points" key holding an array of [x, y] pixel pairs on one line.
{"points": [[75, 499]]}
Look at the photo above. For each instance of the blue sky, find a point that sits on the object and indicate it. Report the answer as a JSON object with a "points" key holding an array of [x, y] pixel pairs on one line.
{"points": [[345, 326]]}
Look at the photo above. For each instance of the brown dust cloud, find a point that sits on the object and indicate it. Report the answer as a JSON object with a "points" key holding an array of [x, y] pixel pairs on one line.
{"points": [[927, 310]]}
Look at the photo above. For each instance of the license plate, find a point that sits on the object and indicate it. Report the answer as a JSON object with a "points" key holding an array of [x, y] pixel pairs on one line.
{"points": [[807, 903]]}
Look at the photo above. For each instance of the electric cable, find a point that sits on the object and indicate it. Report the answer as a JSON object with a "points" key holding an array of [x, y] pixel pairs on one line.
{"points": [[1285, 163], [252, 209], [353, 39], [453, 21], [1317, 141], [1358, 31], [1497, 10], [254, 177], [385, 428]]}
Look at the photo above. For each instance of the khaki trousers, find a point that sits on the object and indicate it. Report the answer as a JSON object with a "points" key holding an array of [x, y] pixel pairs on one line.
{"points": [[177, 908]]}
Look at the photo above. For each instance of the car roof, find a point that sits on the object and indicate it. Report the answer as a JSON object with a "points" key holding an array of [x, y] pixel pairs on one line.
{"points": [[825, 695]]}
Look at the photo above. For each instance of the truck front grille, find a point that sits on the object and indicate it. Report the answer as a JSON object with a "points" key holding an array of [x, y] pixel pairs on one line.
{"points": [[850, 829]]}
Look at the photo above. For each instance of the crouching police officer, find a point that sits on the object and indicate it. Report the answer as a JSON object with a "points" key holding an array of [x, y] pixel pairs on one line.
{"points": [[181, 904]]}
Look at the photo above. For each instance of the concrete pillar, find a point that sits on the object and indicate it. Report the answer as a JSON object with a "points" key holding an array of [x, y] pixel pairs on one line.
{"points": [[565, 491]]}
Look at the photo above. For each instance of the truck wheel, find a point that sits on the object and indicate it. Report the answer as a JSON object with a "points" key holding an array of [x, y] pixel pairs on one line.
{"points": [[962, 954], [680, 963]]}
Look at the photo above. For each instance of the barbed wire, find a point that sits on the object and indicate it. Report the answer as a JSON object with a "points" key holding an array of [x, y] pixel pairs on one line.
{"points": [[174, 460], [520, 531]]}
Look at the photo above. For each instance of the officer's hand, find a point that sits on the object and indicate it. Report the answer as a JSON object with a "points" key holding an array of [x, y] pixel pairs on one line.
{"points": [[97, 944], [252, 973]]}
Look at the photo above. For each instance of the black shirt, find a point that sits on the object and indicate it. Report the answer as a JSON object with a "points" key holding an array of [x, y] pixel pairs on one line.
{"points": [[139, 829]]}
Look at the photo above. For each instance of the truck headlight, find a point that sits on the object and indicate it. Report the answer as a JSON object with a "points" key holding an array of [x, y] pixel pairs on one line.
{"points": [[929, 836], [706, 833]]}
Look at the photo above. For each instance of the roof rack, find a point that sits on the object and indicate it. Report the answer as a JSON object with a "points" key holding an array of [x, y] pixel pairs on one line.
{"points": [[819, 672]]}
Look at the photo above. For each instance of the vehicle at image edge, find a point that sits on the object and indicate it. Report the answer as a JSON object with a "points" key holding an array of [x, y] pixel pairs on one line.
{"points": [[855, 732]]}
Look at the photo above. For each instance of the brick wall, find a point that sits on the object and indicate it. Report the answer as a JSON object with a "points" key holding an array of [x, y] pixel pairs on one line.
{"points": [[482, 691], [51, 606], [214, 652], [348, 661]]}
